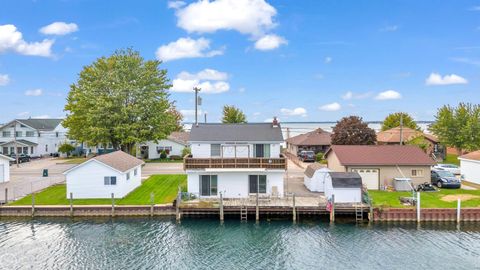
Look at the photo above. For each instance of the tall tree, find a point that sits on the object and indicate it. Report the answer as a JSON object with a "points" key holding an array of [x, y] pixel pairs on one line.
{"points": [[458, 127], [233, 115], [121, 99], [393, 121], [353, 131]]}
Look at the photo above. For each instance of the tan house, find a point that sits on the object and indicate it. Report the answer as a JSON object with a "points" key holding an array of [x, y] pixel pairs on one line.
{"points": [[318, 140], [378, 165], [392, 136]]}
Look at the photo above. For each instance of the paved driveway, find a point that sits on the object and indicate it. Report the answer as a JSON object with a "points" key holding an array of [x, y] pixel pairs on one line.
{"points": [[28, 177]]}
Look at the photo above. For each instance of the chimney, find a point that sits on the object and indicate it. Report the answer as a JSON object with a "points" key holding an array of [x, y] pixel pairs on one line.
{"points": [[275, 122]]}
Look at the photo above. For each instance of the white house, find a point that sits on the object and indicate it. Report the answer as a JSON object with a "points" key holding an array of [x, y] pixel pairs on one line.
{"points": [[470, 167], [346, 186], [238, 160], [117, 172], [173, 145], [5, 168], [34, 137]]}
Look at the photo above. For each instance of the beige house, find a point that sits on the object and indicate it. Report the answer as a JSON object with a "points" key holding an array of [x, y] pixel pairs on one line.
{"points": [[378, 165]]}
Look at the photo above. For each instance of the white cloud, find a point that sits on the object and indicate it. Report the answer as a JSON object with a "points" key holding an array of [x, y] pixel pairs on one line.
{"points": [[389, 94], [294, 112], [206, 74], [390, 28], [475, 8], [328, 60], [4, 79], [189, 113], [437, 79], [176, 4], [335, 106], [270, 120], [34, 92], [59, 28], [23, 114], [350, 95], [186, 48], [12, 40], [253, 17], [269, 42]]}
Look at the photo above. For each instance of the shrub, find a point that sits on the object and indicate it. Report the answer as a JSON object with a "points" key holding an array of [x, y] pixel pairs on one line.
{"points": [[176, 157], [186, 151], [163, 155], [319, 156], [66, 148]]}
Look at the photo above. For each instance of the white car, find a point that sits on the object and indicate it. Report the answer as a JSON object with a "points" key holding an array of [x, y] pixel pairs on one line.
{"points": [[449, 167]]}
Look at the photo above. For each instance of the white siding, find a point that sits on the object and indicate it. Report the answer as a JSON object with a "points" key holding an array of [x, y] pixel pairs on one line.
{"points": [[235, 184], [4, 170], [87, 181], [200, 150], [152, 148], [470, 169]]}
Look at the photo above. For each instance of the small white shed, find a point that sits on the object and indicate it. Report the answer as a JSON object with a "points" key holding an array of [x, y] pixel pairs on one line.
{"points": [[117, 172], [5, 168], [346, 186], [470, 167], [315, 175]]}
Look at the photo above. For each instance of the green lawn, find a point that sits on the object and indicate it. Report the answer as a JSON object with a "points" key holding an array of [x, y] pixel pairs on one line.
{"points": [[452, 159], [165, 188], [470, 198]]}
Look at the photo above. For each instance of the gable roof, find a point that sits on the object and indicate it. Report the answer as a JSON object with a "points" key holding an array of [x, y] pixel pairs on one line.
{"points": [[312, 168], [380, 155], [393, 135], [472, 156], [346, 179], [179, 137], [7, 158], [250, 132], [24, 142], [117, 160], [38, 124], [316, 137]]}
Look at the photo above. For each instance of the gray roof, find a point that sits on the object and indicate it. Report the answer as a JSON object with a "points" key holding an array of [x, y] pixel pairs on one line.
{"points": [[25, 142], [250, 132], [41, 124], [346, 179]]}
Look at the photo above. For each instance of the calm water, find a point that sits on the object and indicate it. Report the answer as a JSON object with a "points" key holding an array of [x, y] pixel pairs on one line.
{"points": [[206, 244]]}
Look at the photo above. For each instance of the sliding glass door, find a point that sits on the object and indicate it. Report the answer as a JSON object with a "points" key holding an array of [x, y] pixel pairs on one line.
{"points": [[262, 150], [257, 183], [208, 185]]}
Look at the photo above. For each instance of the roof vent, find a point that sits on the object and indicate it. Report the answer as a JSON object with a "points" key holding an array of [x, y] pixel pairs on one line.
{"points": [[275, 122]]}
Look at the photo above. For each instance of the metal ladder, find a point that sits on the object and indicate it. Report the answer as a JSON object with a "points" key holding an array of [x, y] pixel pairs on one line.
{"points": [[243, 212], [358, 213]]}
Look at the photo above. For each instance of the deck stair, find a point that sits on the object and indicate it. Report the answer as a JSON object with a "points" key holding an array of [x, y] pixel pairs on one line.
{"points": [[358, 213], [243, 212]]}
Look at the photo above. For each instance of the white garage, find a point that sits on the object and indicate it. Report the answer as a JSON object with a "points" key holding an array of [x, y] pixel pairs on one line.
{"points": [[5, 168], [470, 167], [346, 186], [370, 177]]}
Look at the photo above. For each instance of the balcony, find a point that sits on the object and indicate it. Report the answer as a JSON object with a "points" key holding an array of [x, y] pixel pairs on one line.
{"points": [[235, 163]]}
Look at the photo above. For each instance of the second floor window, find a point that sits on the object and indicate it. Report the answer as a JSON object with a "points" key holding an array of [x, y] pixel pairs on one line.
{"points": [[30, 134], [19, 134], [215, 150], [128, 176], [6, 134], [262, 150]]}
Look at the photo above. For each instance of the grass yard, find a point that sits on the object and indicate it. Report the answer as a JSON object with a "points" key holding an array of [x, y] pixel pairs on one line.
{"points": [[72, 160], [445, 198], [164, 187], [452, 159]]}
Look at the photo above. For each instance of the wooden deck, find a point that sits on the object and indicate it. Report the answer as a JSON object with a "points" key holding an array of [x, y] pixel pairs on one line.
{"points": [[279, 163]]}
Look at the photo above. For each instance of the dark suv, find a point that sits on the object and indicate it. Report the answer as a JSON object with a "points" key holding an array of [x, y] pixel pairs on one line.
{"points": [[21, 158], [306, 156], [445, 179]]}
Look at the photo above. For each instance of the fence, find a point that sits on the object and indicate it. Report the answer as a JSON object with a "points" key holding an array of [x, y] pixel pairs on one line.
{"points": [[15, 192]]}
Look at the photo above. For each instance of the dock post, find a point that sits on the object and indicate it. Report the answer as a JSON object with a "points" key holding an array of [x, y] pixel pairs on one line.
{"points": [[71, 204], [179, 198], [459, 203], [257, 211], [418, 207], [294, 209], [33, 204], [332, 211], [6, 195], [221, 207], [152, 203], [113, 205]]}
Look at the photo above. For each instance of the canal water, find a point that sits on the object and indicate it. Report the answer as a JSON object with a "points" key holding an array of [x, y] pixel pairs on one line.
{"points": [[141, 243]]}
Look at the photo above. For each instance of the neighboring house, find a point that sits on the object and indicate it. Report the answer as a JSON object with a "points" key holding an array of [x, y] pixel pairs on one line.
{"points": [[173, 145], [392, 136], [318, 140], [5, 168], [238, 160], [117, 172], [470, 166], [378, 165], [346, 186], [34, 137]]}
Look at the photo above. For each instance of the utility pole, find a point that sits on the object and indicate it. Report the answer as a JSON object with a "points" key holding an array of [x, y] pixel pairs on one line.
{"points": [[196, 89], [401, 128], [15, 142]]}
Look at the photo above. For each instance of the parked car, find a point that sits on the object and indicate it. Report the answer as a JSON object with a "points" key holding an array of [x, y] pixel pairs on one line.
{"points": [[445, 179], [307, 156], [21, 158], [449, 167]]}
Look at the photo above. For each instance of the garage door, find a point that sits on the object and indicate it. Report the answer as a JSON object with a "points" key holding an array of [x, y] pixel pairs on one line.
{"points": [[370, 177]]}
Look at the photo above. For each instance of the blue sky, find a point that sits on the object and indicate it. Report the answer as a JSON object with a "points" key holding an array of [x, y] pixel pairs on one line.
{"points": [[298, 60]]}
